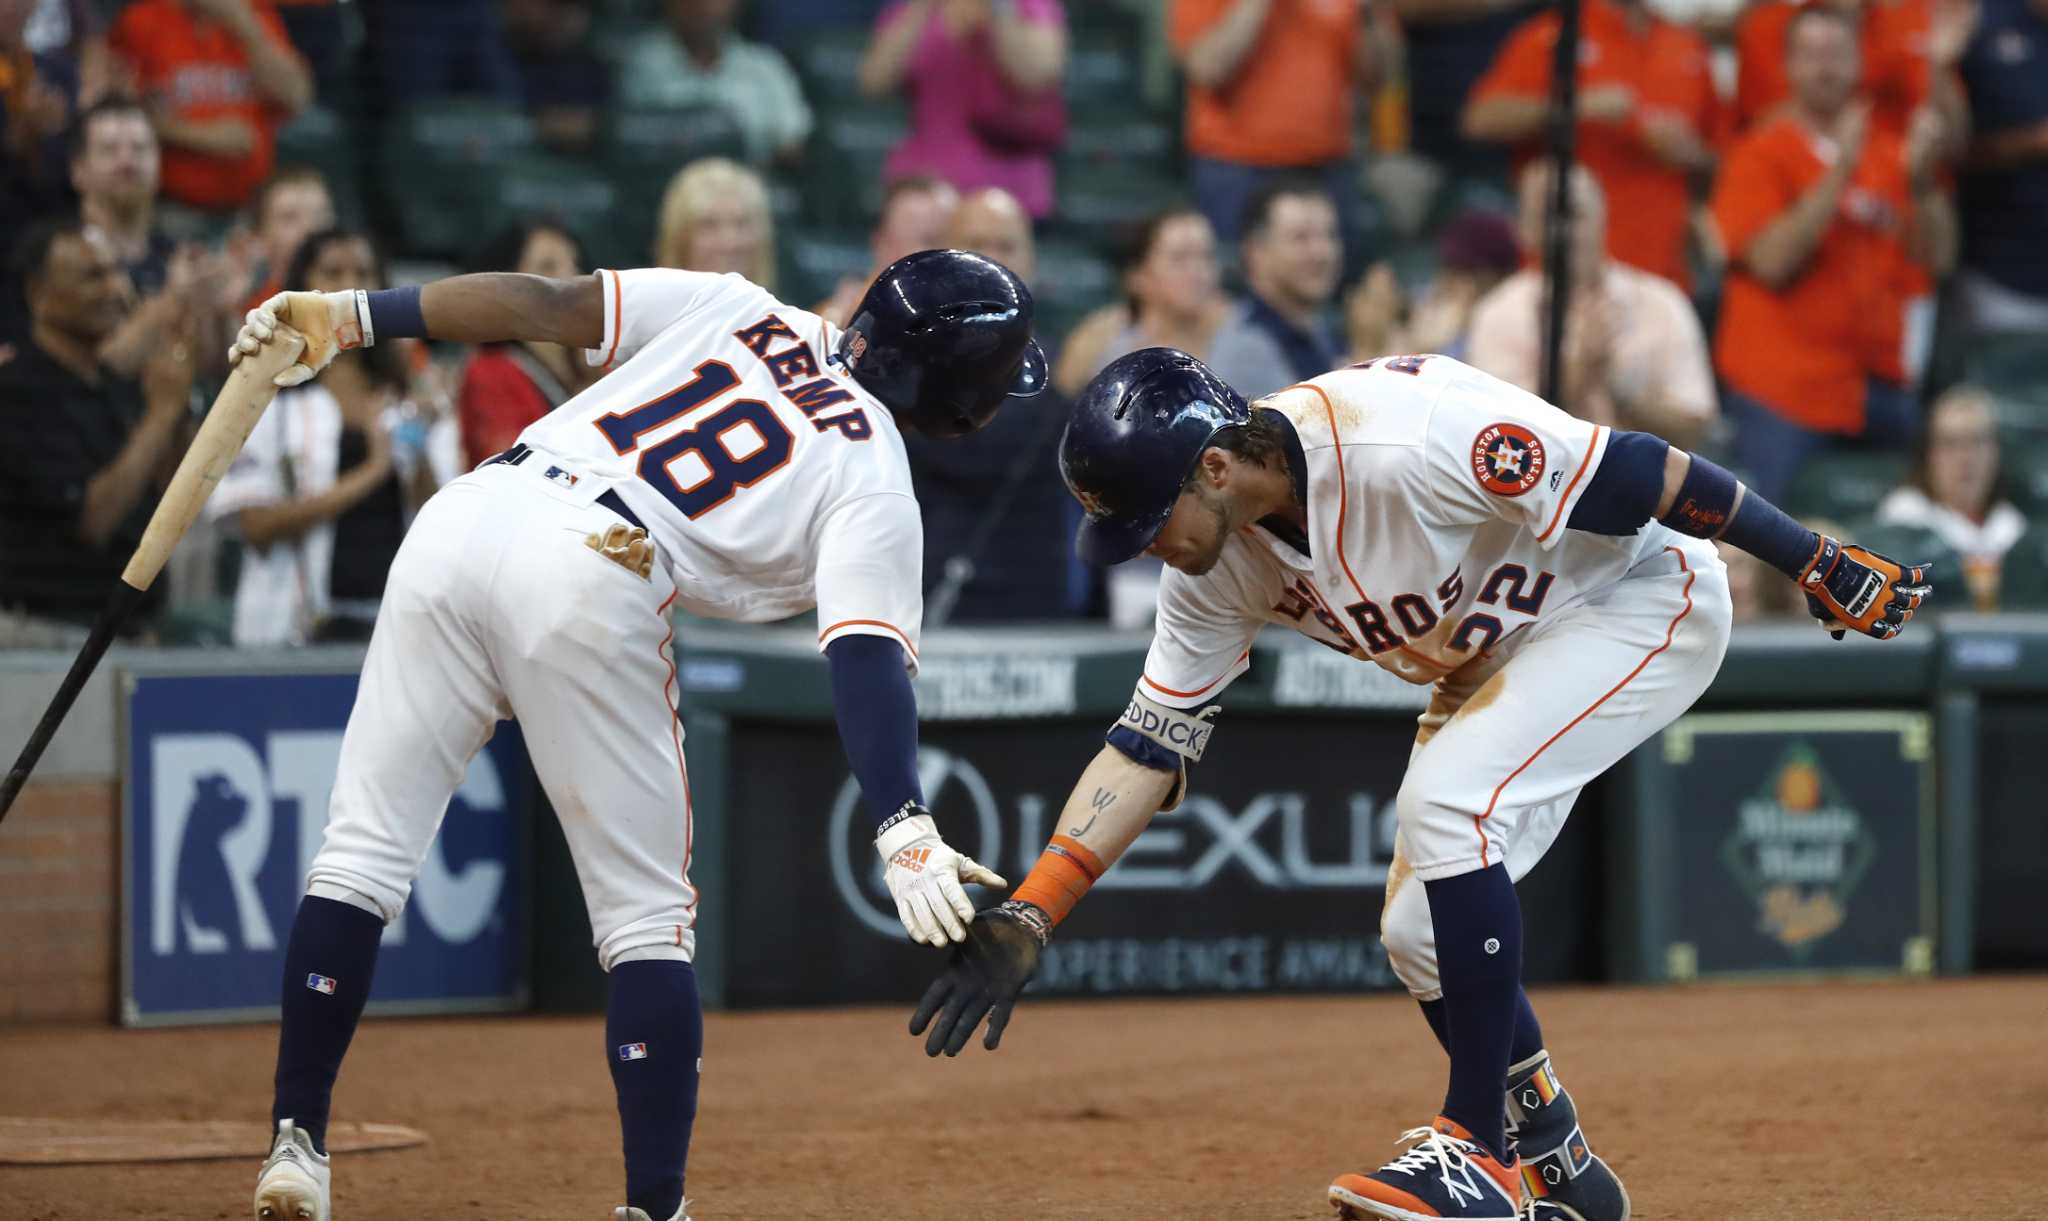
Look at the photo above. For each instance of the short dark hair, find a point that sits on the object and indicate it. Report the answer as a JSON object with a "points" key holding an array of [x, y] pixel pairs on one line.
{"points": [[1257, 441], [81, 127], [1132, 244], [1258, 210], [910, 184], [285, 176], [1823, 12], [501, 251], [30, 257]]}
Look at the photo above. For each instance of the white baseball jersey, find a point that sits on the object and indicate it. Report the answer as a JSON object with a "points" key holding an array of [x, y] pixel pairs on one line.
{"points": [[769, 480], [1437, 503]]}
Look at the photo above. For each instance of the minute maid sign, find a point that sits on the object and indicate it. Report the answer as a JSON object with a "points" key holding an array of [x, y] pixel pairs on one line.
{"points": [[1799, 849], [1787, 840], [227, 785]]}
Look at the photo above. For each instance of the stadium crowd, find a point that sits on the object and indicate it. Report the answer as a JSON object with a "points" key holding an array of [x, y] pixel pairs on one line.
{"points": [[1807, 238]]}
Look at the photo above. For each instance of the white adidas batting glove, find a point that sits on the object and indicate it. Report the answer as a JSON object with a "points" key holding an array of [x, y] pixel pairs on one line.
{"points": [[924, 877], [328, 322]]}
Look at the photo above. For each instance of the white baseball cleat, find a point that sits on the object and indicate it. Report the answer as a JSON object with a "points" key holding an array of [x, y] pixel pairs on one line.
{"points": [[634, 1214], [293, 1185]]}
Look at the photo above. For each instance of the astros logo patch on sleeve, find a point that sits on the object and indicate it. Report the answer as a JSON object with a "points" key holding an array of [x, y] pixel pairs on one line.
{"points": [[1507, 459]]}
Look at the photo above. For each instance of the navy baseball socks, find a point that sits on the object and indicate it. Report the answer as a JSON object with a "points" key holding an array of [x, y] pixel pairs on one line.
{"points": [[327, 968], [654, 1041], [1461, 1166], [1564, 1178]]}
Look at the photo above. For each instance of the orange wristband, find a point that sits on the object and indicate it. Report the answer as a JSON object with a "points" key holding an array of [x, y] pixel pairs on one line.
{"points": [[1062, 875]]}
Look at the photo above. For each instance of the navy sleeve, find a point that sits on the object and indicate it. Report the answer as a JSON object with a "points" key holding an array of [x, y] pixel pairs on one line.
{"points": [[1626, 487], [877, 714]]}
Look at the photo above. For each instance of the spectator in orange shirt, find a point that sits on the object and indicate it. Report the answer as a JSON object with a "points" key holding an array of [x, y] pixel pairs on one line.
{"points": [[1271, 86], [219, 77], [1910, 51], [1647, 110], [1831, 224]]}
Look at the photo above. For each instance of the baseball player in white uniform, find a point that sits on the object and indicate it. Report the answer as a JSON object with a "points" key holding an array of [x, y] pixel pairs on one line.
{"points": [[1555, 583], [743, 460]]}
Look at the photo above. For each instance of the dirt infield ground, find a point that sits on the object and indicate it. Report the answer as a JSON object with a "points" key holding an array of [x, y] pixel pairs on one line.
{"points": [[1745, 1103]]}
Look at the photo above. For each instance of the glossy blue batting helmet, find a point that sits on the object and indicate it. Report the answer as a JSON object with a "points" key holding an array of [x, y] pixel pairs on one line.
{"points": [[1135, 433], [942, 337]]}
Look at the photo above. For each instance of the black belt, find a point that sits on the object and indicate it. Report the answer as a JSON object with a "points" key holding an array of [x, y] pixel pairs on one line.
{"points": [[608, 498]]}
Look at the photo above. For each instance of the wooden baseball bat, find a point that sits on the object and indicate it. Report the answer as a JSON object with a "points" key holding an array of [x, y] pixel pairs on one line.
{"points": [[235, 410]]}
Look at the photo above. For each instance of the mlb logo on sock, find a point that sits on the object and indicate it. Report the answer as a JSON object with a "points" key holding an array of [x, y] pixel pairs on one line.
{"points": [[320, 983], [633, 1051]]}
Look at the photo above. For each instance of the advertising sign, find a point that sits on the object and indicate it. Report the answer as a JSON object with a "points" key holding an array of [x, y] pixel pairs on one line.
{"points": [[1802, 841], [226, 788], [1269, 877]]}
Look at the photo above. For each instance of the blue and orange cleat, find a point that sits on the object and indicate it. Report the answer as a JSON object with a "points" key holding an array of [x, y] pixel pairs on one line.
{"points": [[1446, 1174]]}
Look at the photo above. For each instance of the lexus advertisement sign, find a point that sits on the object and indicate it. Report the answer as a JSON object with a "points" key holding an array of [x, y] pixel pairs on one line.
{"points": [[1269, 877]]}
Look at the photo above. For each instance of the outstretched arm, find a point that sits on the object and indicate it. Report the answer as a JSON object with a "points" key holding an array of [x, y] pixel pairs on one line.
{"points": [[489, 307], [1847, 587], [500, 307]]}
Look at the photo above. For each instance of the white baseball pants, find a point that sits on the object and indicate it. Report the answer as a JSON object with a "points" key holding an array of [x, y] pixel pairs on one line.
{"points": [[497, 606], [1502, 752]]}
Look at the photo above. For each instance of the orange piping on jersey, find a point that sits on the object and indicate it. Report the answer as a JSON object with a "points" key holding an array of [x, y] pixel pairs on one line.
{"points": [[1188, 695], [1669, 633], [897, 631], [618, 320], [1584, 465], [675, 728]]}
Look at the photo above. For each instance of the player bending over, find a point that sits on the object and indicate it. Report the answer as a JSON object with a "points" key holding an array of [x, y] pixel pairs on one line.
{"points": [[744, 460], [1556, 583]]}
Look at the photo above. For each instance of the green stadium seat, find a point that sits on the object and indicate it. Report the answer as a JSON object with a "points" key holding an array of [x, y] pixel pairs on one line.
{"points": [[815, 260], [644, 148], [544, 185], [1101, 68], [1845, 487], [1090, 199], [441, 163], [1118, 135], [323, 139], [830, 65], [1072, 280], [847, 157], [2023, 579], [1463, 195], [2013, 366]]}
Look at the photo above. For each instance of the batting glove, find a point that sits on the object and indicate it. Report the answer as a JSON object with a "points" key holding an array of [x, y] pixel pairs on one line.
{"points": [[327, 321], [983, 979], [924, 877], [1851, 587]]}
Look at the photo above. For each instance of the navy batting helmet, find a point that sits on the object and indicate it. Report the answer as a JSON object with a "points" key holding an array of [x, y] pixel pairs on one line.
{"points": [[1134, 435], [942, 337]]}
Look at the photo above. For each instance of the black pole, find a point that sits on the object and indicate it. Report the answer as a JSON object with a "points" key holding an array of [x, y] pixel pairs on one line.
{"points": [[126, 598], [1557, 221]]}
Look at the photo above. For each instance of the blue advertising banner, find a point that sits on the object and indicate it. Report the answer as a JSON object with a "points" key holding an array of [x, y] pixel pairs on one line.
{"points": [[227, 783]]}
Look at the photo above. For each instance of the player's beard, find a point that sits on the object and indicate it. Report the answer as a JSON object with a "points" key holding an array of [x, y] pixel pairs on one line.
{"points": [[1217, 509]]}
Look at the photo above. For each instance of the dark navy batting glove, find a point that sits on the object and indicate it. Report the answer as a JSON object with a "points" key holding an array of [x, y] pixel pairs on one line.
{"points": [[983, 979]]}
